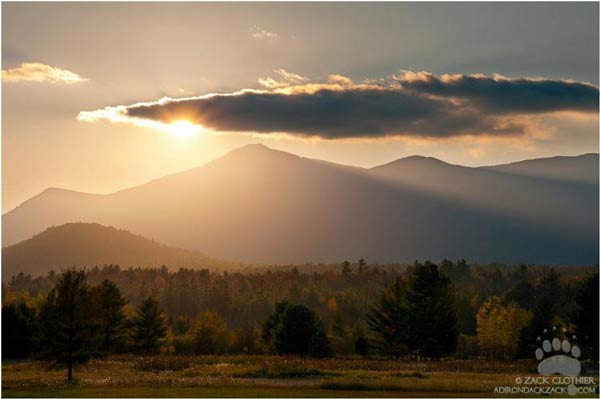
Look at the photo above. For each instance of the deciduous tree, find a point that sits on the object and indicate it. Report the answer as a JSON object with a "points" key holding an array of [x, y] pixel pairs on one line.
{"points": [[210, 334], [499, 327]]}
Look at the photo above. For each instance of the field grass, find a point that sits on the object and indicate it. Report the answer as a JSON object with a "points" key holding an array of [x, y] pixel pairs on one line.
{"points": [[263, 376]]}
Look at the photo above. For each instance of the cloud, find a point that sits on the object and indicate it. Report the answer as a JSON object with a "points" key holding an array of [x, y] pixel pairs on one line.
{"points": [[499, 94], [259, 33], [413, 105], [286, 79], [36, 72]]}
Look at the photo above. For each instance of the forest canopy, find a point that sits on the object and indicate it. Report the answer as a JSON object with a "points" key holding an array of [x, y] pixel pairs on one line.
{"points": [[347, 309]]}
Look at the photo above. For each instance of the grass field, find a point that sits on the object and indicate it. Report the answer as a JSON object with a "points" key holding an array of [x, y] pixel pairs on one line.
{"points": [[264, 376]]}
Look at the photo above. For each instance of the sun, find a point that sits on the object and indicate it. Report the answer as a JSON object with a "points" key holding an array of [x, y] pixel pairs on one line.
{"points": [[183, 129]]}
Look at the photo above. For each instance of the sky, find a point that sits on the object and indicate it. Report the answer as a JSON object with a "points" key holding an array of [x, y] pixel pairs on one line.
{"points": [[98, 97]]}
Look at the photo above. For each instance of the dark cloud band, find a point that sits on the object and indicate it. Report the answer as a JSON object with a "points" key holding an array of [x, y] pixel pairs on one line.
{"points": [[502, 95], [418, 104], [329, 113]]}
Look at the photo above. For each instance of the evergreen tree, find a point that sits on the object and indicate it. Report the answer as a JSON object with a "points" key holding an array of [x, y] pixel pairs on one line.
{"points": [[433, 321], [551, 290], [220, 299], [295, 329], [466, 312], [362, 266], [361, 346], [68, 329], [319, 345], [388, 321], [549, 285], [273, 322], [541, 321], [546, 307], [110, 313], [149, 329], [585, 317], [457, 272], [498, 282], [346, 269], [522, 293], [18, 327]]}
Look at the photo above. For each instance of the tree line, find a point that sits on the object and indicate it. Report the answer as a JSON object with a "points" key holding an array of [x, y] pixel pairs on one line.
{"points": [[424, 310]]}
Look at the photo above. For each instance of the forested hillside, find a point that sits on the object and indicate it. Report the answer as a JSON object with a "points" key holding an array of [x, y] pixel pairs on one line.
{"points": [[89, 244]]}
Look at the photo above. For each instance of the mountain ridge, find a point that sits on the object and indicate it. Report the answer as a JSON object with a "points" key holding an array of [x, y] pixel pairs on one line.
{"points": [[579, 168], [261, 146], [265, 206], [93, 244]]}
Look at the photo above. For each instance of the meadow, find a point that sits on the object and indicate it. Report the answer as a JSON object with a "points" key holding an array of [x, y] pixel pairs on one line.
{"points": [[263, 376]]}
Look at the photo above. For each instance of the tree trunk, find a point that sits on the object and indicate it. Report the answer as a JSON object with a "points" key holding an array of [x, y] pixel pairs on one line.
{"points": [[70, 352], [69, 372]]}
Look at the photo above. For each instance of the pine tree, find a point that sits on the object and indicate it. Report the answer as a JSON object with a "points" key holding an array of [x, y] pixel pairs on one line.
{"points": [[319, 345], [149, 329], [546, 306], [433, 321], [361, 346], [522, 293], [346, 269], [541, 321], [68, 329], [295, 329], [585, 317], [388, 321], [18, 326], [362, 266], [110, 313], [551, 290]]}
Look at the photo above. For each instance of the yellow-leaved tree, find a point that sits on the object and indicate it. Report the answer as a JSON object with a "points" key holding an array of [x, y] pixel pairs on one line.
{"points": [[499, 327]]}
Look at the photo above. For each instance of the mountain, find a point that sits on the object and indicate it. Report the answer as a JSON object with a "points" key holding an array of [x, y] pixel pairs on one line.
{"points": [[533, 199], [260, 205], [579, 169], [91, 244]]}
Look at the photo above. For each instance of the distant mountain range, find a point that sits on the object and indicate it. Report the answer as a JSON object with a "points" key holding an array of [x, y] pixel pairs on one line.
{"points": [[580, 169], [256, 204], [91, 244]]}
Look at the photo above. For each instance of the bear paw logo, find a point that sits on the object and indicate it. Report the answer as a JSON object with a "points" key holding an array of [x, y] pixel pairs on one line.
{"points": [[558, 356]]}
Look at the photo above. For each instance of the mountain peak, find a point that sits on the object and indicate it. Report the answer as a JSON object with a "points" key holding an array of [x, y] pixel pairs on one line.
{"points": [[413, 161], [258, 151], [419, 158], [254, 147]]}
